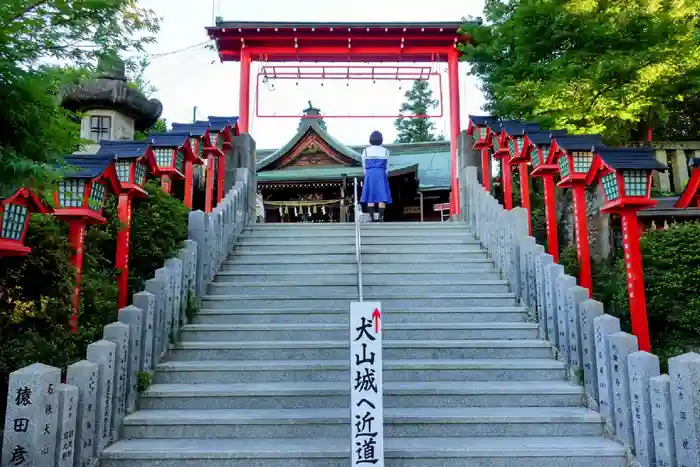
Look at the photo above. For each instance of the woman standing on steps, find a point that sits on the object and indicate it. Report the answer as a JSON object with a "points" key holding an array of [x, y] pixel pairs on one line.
{"points": [[376, 191]]}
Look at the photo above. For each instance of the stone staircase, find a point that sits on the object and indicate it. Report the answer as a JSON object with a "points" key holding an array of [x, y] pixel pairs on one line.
{"points": [[261, 377]]}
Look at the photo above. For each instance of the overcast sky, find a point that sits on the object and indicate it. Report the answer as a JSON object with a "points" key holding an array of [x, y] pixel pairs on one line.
{"points": [[196, 78]]}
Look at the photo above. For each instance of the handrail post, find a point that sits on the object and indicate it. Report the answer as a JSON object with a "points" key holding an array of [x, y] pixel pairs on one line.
{"points": [[358, 243]]}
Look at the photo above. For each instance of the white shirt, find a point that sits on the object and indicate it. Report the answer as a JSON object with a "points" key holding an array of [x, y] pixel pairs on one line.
{"points": [[375, 152]]}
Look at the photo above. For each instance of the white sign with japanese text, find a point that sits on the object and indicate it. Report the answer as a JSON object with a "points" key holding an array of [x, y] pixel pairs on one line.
{"points": [[366, 404]]}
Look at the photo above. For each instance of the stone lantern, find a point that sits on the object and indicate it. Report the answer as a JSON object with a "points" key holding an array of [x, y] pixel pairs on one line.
{"points": [[574, 156], [15, 212], [625, 176], [79, 200], [111, 109], [200, 137], [482, 135], [133, 161]]}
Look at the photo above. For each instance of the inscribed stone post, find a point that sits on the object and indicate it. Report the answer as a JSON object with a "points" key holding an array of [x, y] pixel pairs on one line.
{"points": [[157, 287], [146, 301], [184, 257], [84, 375], [67, 413], [193, 248], [119, 334], [574, 297], [133, 317], [662, 418], [31, 419], [620, 345], [532, 279], [166, 276], [684, 371], [551, 273], [525, 244], [642, 366], [562, 285], [602, 327], [197, 232], [175, 265], [103, 353], [589, 310], [542, 261]]}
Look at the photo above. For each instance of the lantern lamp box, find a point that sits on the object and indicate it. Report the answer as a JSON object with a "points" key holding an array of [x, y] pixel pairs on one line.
{"points": [[480, 131], [542, 159], [200, 135], [172, 151], [15, 212], [625, 175], [515, 138], [366, 384], [133, 161], [86, 182], [574, 156]]}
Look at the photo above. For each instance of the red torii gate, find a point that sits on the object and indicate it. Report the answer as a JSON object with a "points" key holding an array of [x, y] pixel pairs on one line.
{"points": [[245, 41]]}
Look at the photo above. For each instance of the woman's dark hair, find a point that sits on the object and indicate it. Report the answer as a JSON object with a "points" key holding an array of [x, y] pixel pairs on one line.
{"points": [[376, 139]]}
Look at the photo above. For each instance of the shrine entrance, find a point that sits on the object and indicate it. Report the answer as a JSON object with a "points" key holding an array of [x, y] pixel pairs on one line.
{"points": [[401, 44]]}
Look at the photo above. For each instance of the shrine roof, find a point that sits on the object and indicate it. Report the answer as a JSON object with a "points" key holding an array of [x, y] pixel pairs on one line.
{"points": [[666, 207], [123, 149], [86, 166], [629, 158], [544, 137], [579, 142], [309, 125], [194, 129], [169, 139], [327, 41]]}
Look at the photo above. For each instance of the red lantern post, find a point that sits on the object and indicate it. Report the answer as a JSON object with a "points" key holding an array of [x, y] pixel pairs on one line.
{"points": [[133, 161], [197, 132], [79, 201], [537, 144], [515, 134], [574, 155], [14, 221], [214, 152], [228, 128], [691, 194], [482, 135], [625, 176], [502, 154]]}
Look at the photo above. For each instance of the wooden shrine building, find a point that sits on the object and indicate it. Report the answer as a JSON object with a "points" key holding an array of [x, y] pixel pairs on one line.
{"points": [[311, 178]]}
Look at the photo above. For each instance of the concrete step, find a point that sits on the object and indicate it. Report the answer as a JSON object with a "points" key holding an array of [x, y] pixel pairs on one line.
{"points": [[274, 290], [398, 422], [340, 331], [389, 302], [282, 256], [560, 451], [397, 239], [300, 395], [301, 315], [311, 277], [263, 371], [349, 248], [314, 350], [256, 265]]}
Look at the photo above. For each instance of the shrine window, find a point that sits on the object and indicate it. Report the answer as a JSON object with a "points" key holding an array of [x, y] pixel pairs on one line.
{"points": [[100, 126]]}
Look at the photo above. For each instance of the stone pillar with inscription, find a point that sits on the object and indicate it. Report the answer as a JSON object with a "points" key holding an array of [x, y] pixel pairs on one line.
{"points": [[620, 345], [642, 367], [31, 419], [602, 327], [146, 301], [103, 353], [84, 375], [119, 334], [684, 372], [67, 414]]}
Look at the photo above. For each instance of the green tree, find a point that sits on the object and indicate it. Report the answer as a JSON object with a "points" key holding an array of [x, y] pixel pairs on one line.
{"points": [[419, 101], [36, 132], [608, 66]]}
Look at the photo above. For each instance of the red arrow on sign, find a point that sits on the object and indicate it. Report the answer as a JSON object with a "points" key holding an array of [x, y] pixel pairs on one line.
{"points": [[376, 316]]}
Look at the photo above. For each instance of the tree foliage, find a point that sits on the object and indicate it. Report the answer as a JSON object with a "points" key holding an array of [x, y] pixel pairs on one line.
{"points": [[419, 101], [34, 33], [608, 66]]}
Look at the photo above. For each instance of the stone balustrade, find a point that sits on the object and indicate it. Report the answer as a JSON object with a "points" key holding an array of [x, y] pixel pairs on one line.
{"points": [[657, 417], [49, 423], [676, 155]]}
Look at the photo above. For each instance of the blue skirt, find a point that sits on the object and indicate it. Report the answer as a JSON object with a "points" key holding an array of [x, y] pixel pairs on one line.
{"points": [[376, 186]]}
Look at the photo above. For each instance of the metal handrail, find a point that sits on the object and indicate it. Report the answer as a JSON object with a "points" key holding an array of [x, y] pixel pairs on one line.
{"points": [[358, 244]]}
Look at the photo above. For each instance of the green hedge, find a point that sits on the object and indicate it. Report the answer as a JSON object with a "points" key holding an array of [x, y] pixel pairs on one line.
{"points": [[36, 290]]}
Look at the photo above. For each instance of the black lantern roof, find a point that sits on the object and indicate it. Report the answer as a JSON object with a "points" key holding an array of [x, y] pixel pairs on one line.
{"points": [[171, 139], [194, 129], [629, 158], [694, 162], [122, 149], [86, 167], [515, 129], [108, 90], [545, 137], [482, 119], [579, 142], [218, 123]]}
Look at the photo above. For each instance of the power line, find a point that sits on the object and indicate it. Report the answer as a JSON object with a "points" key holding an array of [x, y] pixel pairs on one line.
{"points": [[184, 49]]}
